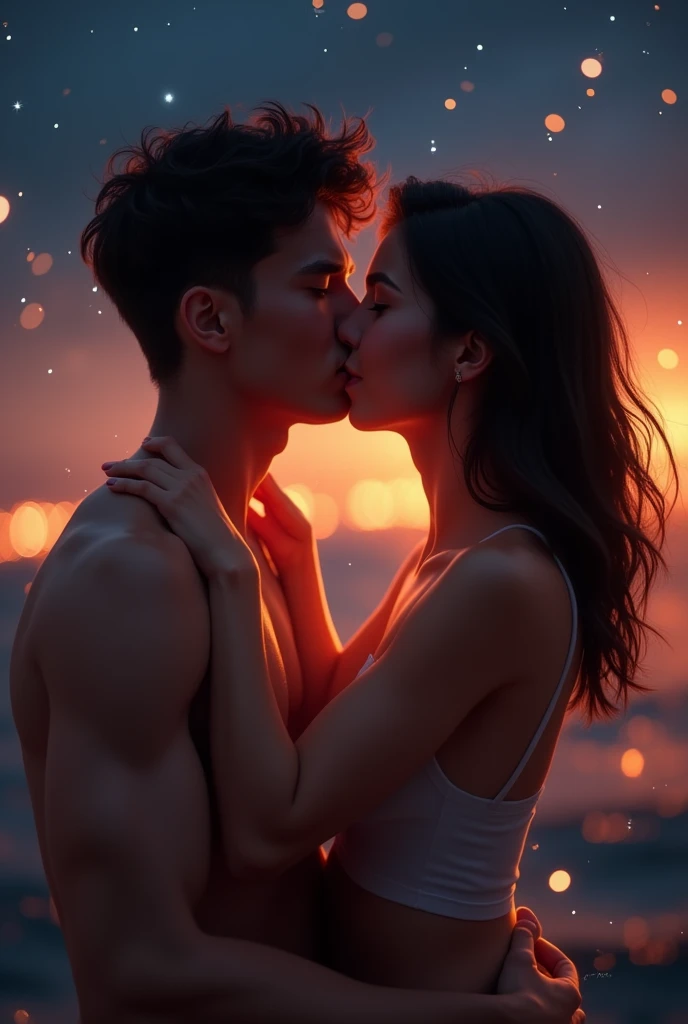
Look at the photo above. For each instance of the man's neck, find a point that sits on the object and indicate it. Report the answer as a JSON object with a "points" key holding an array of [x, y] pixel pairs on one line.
{"points": [[234, 445]]}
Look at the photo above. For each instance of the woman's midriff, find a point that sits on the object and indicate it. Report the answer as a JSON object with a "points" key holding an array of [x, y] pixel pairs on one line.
{"points": [[386, 943]]}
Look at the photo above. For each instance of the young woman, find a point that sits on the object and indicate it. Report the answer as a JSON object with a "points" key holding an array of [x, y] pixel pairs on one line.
{"points": [[488, 339]]}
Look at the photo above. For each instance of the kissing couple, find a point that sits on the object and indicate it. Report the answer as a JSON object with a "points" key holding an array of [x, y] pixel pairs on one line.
{"points": [[193, 729]]}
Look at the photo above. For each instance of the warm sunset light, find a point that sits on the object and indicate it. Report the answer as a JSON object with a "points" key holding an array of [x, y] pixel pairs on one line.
{"points": [[599, 827], [357, 11], [370, 505], [632, 763], [410, 504], [591, 67], [559, 881], [589, 92], [7, 552], [30, 256], [21, 1017], [302, 497], [42, 264], [4, 208], [555, 123], [318, 4], [636, 932], [58, 516], [320, 509], [31, 316], [450, 104], [669, 96], [667, 358], [28, 529]]}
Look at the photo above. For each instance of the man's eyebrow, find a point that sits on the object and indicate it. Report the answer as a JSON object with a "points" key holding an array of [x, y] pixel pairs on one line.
{"points": [[381, 278], [325, 268]]}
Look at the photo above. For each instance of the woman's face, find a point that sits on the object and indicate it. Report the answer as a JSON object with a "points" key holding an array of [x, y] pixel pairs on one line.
{"points": [[402, 375]]}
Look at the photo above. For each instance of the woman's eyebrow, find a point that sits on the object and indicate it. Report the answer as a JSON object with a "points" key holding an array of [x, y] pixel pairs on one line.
{"points": [[324, 267], [381, 278]]}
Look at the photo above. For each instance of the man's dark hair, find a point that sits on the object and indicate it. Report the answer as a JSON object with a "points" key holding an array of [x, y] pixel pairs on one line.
{"points": [[201, 205]]}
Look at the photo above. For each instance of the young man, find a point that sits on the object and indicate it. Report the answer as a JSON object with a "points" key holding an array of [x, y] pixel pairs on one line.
{"points": [[220, 247]]}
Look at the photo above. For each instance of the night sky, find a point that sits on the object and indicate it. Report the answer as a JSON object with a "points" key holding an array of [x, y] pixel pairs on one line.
{"points": [[78, 80]]}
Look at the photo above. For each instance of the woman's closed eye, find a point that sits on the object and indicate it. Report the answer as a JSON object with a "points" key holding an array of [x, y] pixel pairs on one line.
{"points": [[320, 293], [378, 307]]}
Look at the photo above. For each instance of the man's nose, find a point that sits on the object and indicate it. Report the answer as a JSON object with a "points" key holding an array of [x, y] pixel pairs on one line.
{"points": [[349, 330]]}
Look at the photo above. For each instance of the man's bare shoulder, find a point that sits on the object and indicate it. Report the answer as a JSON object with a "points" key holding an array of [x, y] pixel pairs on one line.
{"points": [[119, 586]]}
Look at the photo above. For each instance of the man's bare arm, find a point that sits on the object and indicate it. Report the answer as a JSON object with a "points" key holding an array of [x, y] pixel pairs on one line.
{"points": [[127, 830]]}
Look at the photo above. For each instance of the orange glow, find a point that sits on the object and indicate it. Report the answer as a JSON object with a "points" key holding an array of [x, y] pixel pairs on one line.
{"points": [[325, 516], [450, 104], [58, 516], [21, 1016], [641, 729], [42, 264], [559, 881], [7, 552], [632, 763], [370, 505], [467, 86], [591, 67], [635, 932], [604, 962], [410, 504], [31, 256], [31, 316], [589, 92], [318, 4], [599, 827], [669, 96], [667, 358], [555, 123], [4, 208], [28, 529], [357, 11]]}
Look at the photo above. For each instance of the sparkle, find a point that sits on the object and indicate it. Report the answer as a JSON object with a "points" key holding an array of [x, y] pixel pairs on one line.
{"points": [[612, 18], [50, 371], [17, 105], [479, 46], [135, 28], [56, 125], [95, 288], [168, 97]]}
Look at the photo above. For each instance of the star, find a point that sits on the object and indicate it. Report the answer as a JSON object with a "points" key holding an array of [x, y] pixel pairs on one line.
{"points": [[17, 105]]}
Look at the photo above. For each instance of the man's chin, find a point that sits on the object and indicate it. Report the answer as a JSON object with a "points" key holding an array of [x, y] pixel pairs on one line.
{"points": [[331, 412]]}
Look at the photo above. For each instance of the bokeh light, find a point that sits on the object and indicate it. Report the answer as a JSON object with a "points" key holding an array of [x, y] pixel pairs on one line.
{"points": [[669, 96], [31, 316], [28, 529], [559, 881], [384, 39], [589, 92], [667, 358], [318, 4], [42, 264], [555, 123], [4, 208], [591, 67], [370, 505], [357, 11], [632, 763], [450, 104], [467, 86]]}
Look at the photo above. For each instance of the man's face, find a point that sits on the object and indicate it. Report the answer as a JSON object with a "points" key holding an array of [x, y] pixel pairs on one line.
{"points": [[288, 357]]}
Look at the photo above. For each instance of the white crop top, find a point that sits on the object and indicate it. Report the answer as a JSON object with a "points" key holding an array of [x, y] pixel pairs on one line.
{"points": [[437, 848]]}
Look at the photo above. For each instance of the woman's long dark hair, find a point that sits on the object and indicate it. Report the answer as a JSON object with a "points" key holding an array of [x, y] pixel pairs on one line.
{"points": [[564, 435]]}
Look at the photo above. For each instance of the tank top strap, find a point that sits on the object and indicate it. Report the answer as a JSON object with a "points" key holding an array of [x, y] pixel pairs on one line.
{"points": [[567, 665]]}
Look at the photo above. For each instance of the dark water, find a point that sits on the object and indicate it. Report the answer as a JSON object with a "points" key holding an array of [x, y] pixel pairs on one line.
{"points": [[644, 875]]}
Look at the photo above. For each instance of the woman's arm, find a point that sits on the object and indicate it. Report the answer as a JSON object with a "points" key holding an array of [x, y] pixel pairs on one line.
{"points": [[326, 666], [281, 798]]}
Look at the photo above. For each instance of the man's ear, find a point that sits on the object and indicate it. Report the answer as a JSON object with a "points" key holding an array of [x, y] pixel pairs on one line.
{"points": [[210, 318]]}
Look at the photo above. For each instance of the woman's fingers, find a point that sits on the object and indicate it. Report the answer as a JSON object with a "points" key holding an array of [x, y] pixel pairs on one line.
{"points": [[555, 961], [170, 450], [141, 489], [526, 914], [156, 470]]}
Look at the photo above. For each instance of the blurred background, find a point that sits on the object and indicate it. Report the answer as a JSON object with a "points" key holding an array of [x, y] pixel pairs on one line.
{"points": [[584, 100]]}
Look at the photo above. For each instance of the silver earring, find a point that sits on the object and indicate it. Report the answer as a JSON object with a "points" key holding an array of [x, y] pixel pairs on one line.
{"points": [[457, 376]]}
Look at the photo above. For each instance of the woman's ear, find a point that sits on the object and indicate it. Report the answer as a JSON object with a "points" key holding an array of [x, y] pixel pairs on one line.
{"points": [[210, 318], [472, 355]]}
